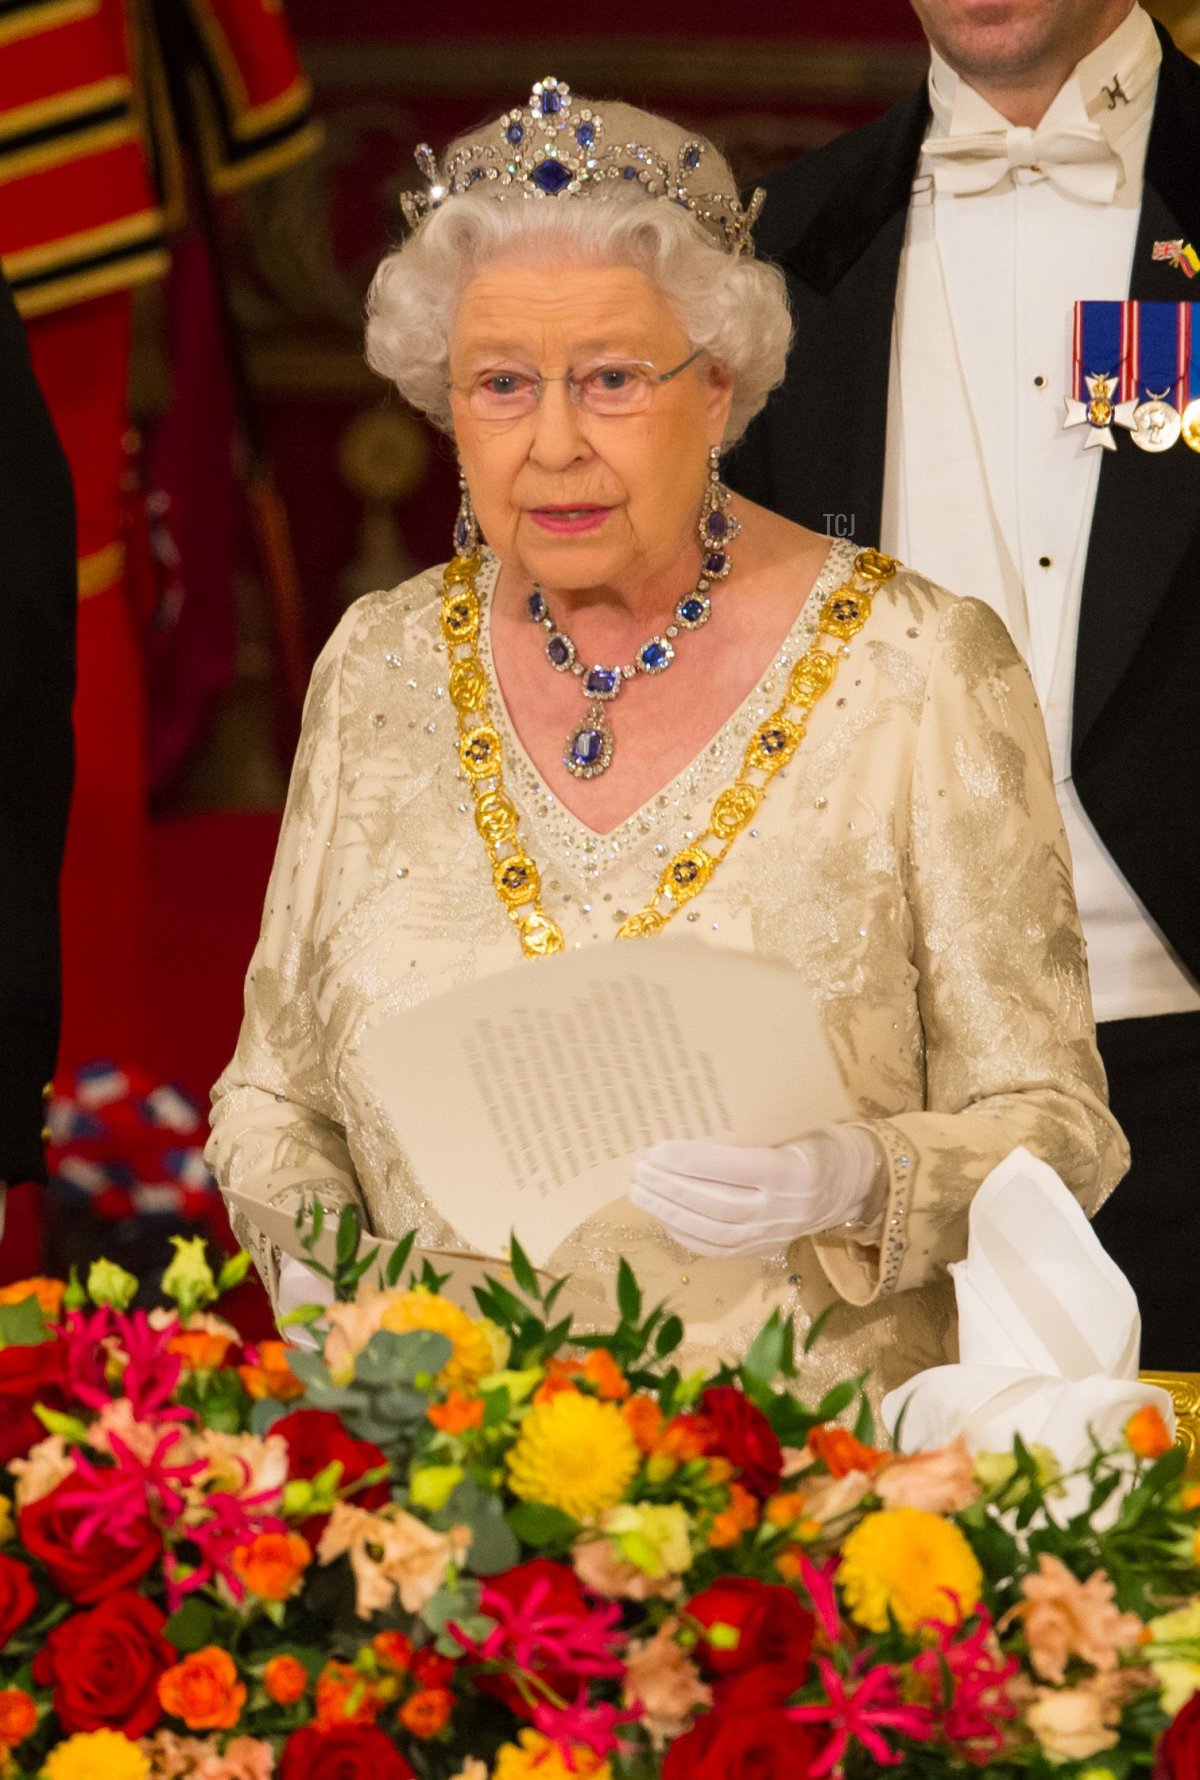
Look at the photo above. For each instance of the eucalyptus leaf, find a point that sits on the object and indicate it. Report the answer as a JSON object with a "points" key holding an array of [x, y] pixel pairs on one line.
{"points": [[399, 1358]]}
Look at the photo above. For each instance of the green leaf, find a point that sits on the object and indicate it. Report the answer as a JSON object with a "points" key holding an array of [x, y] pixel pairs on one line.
{"points": [[817, 1328], [629, 1293], [493, 1543], [668, 1337], [537, 1525], [765, 1353], [22, 1324], [459, 1604], [265, 1414], [390, 1358], [523, 1271], [234, 1271], [348, 1232], [398, 1259], [193, 1626], [497, 1407]]}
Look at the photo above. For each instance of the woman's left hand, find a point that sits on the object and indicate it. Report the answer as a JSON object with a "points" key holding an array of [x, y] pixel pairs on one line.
{"points": [[722, 1199]]}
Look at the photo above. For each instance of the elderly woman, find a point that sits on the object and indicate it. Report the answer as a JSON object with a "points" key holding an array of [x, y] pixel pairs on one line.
{"points": [[630, 695]]}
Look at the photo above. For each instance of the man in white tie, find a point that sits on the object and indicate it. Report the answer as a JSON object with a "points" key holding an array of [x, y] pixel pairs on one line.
{"points": [[934, 259]]}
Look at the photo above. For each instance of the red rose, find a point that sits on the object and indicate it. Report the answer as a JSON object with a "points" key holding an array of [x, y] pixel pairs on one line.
{"points": [[742, 1746], [347, 1752], [104, 1666], [1178, 1755], [742, 1434], [559, 1596], [29, 1375], [18, 1597], [315, 1438], [775, 1634], [102, 1567]]}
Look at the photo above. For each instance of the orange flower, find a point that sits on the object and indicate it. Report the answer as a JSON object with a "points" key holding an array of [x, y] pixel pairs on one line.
{"points": [[272, 1376], [785, 1510], [285, 1680], [394, 1651], [200, 1350], [48, 1292], [456, 1414], [560, 1376], [1189, 1501], [426, 1712], [273, 1564], [685, 1437], [1147, 1434], [740, 1517], [18, 1716], [203, 1690], [644, 1420], [344, 1696], [841, 1453], [602, 1370]]}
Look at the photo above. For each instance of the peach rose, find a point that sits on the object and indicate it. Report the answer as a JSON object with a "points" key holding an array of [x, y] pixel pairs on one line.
{"points": [[940, 1481], [601, 1568], [42, 1469], [203, 1690], [242, 1464], [245, 1758], [1070, 1723], [831, 1498], [1064, 1617], [412, 1558], [172, 1757], [117, 1418], [351, 1326], [665, 1682]]}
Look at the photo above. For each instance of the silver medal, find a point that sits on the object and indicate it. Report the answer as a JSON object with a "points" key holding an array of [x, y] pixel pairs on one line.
{"points": [[1156, 425]]}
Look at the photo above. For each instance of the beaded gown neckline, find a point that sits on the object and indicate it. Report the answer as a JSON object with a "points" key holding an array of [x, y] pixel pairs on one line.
{"points": [[539, 804]]}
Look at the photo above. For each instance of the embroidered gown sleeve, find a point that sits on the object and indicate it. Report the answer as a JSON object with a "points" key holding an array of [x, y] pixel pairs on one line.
{"points": [[1002, 991], [277, 1129]]}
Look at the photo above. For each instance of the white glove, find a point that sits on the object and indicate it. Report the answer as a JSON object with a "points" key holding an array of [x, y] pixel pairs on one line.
{"points": [[720, 1199], [299, 1285]]}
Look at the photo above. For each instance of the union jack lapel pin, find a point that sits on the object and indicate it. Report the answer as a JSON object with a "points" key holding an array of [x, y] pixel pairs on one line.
{"points": [[1179, 253]]}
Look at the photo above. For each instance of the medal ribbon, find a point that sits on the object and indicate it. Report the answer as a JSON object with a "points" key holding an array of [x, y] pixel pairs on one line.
{"points": [[1102, 347], [1160, 351], [1189, 347]]}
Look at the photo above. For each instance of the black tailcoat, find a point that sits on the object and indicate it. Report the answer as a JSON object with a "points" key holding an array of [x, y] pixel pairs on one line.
{"points": [[835, 223], [37, 679]]}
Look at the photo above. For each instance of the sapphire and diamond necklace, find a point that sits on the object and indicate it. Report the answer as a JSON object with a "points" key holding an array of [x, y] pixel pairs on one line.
{"points": [[590, 745]]}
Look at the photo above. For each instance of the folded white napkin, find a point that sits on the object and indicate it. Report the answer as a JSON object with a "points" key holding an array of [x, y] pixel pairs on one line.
{"points": [[1048, 1331]]}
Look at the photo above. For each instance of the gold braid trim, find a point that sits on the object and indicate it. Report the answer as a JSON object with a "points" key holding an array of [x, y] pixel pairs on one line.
{"points": [[515, 874]]}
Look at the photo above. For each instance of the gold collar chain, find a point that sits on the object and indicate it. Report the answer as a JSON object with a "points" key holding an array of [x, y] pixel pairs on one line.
{"points": [[515, 874]]}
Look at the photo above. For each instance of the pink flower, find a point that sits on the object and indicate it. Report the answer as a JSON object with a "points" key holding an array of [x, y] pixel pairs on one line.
{"points": [[1065, 1617], [822, 1594], [528, 1636], [584, 1726], [664, 1681], [861, 1713], [979, 1702], [940, 1482], [126, 1494]]}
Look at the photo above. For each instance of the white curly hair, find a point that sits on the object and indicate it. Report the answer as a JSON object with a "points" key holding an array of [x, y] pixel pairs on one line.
{"points": [[731, 305]]}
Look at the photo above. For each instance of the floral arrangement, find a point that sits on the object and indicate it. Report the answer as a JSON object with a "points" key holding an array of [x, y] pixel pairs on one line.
{"points": [[476, 1547]]}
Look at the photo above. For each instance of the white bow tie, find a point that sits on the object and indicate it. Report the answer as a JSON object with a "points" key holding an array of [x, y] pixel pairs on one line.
{"points": [[1078, 160]]}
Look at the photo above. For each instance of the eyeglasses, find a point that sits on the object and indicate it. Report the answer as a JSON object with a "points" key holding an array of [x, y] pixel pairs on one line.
{"points": [[613, 387]]}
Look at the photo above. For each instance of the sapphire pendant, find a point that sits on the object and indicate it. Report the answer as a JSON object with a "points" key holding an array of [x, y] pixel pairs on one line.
{"points": [[589, 748]]}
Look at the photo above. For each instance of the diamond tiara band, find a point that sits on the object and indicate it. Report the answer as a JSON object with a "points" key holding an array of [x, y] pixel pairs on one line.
{"points": [[552, 148]]}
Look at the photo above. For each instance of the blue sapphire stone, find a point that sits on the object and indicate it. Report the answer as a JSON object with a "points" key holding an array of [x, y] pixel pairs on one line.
{"points": [[655, 655], [585, 135], [714, 563], [559, 650], [552, 177], [462, 536], [692, 609], [515, 134], [602, 682], [629, 172], [551, 103], [716, 525], [691, 159], [587, 745], [535, 605]]}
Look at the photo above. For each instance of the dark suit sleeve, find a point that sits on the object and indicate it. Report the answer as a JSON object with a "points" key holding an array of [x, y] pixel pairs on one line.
{"points": [[37, 681]]}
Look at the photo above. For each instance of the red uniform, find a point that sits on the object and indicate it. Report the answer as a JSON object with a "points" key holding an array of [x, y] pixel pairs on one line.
{"points": [[90, 186]]}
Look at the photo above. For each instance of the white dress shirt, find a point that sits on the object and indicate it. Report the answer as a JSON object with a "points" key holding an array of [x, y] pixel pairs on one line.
{"points": [[984, 490]]}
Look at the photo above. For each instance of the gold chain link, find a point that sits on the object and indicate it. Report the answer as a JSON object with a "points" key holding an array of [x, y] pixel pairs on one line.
{"points": [[515, 875]]}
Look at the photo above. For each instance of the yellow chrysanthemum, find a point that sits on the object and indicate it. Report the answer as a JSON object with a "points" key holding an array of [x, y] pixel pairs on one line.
{"points": [[474, 1352], [573, 1453], [538, 1758], [915, 1564], [97, 1755]]}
